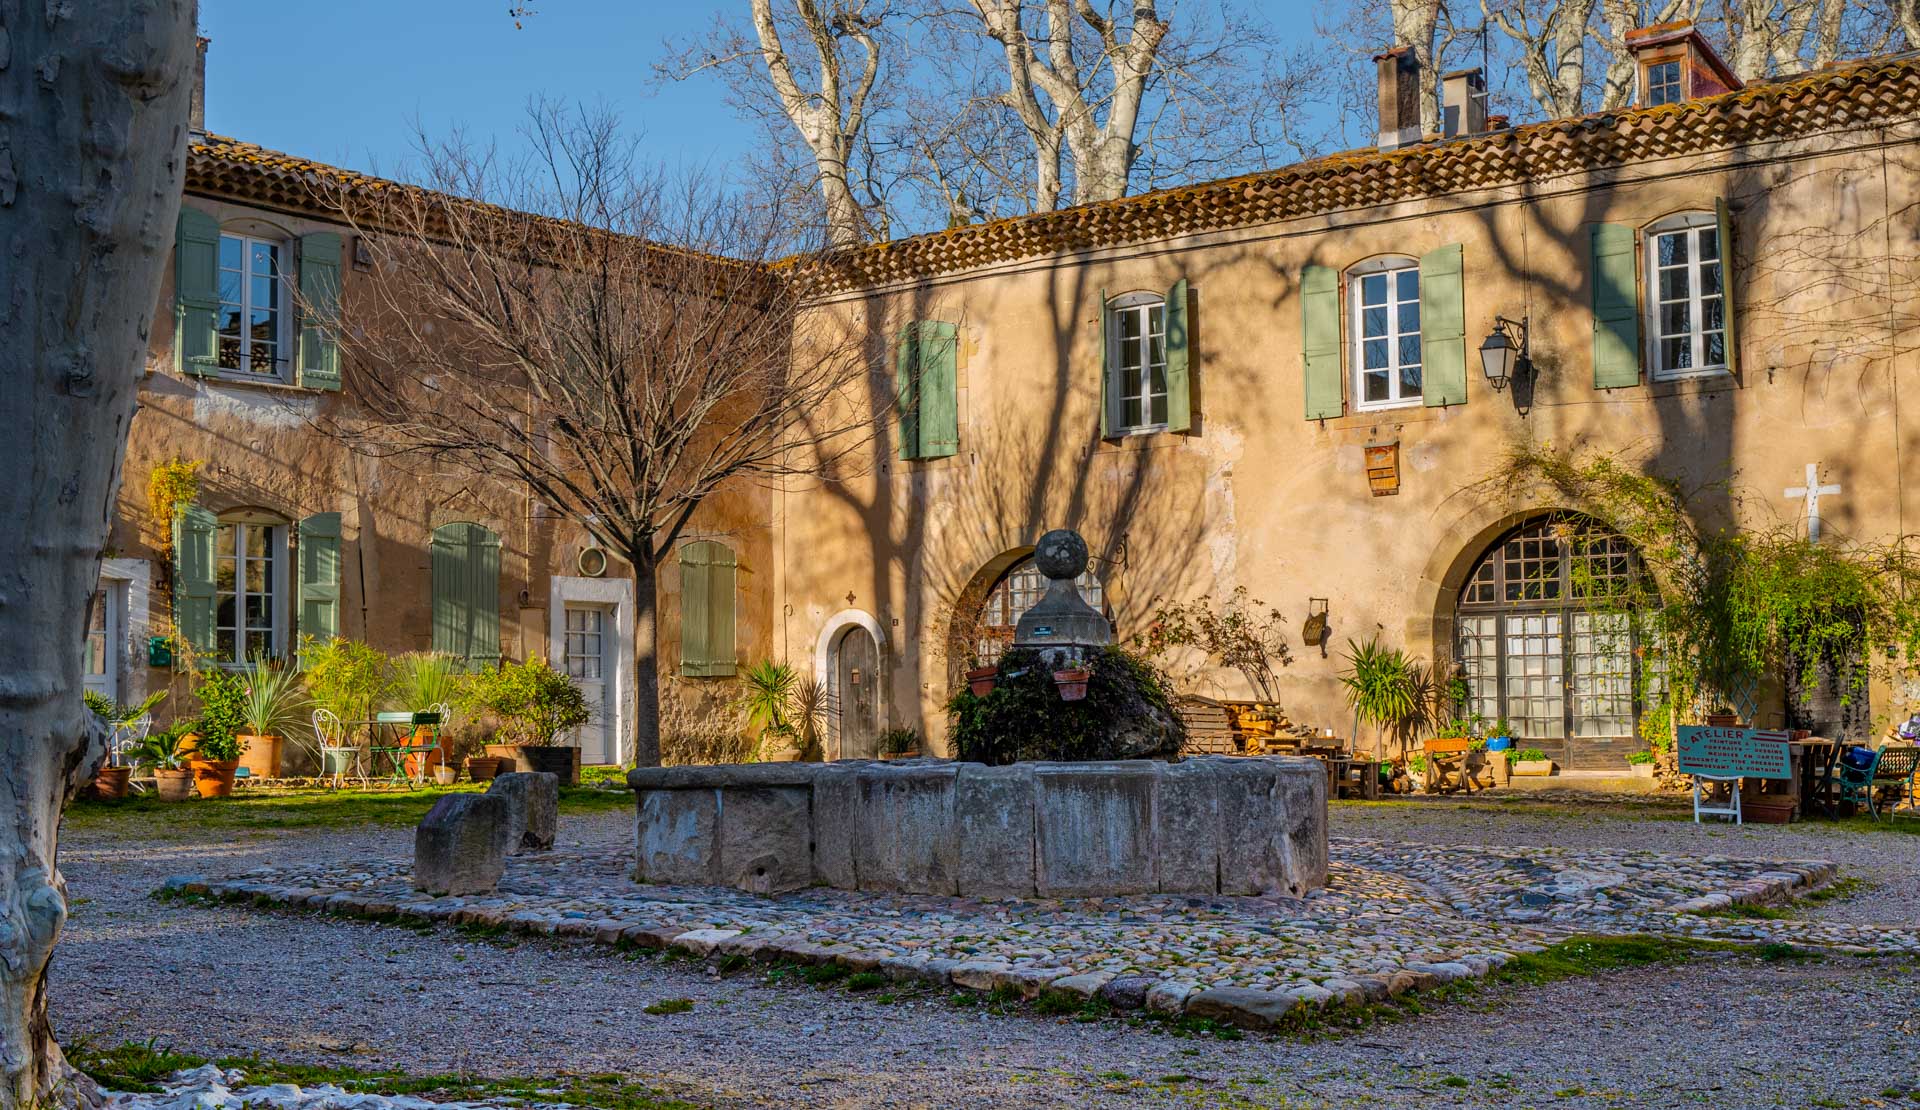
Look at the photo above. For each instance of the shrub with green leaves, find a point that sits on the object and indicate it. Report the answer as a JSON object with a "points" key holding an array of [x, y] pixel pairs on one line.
{"points": [[345, 677], [274, 704], [1530, 755], [223, 714], [533, 702], [1025, 718]]}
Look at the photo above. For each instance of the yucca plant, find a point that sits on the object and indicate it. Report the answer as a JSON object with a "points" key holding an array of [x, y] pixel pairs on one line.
{"points": [[273, 703], [766, 697], [809, 709], [1387, 689], [424, 680]]}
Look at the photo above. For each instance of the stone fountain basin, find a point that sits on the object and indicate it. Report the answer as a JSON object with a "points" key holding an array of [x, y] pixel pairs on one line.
{"points": [[1203, 825]]}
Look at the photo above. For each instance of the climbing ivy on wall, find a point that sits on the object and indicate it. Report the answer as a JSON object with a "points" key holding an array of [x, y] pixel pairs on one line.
{"points": [[170, 484]]}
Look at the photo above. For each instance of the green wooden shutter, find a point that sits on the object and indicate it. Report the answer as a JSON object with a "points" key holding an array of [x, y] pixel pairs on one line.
{"points": [[194, 531], [196, 292], [1443, 328], [906, 381], [466, 593], [708, 573], [1616, 308], [1320, 340], [320, 576], [1110, 411], [939, 396], [1724, 217], [320, 297], [1179, 360]]}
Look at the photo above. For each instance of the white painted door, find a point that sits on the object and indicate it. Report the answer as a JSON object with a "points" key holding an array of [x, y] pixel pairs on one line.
{"points": [[101, 665], [588, 651]]}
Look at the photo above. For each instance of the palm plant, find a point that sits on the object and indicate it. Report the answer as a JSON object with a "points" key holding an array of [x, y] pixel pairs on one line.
{"points": [[1387, 689], [809, 708], [112, 712], [273, 701], [427, 680], [766, 696], [159, 752]]}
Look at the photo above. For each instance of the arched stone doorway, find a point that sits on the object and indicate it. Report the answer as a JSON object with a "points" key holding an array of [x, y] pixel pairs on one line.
{"points": [[851, 659], [1539, 643]]}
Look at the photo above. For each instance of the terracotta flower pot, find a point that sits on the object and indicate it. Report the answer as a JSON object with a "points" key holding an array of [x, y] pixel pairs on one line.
{"points": [[213, 777], [910, 753], [560, 759], [260, 755], [980, 680], [111, 782], [173, 786], [1072, 683], [483, 768]]}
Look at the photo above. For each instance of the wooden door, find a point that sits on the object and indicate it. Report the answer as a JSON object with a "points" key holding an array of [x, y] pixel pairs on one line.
{"points": [[856, 682]]}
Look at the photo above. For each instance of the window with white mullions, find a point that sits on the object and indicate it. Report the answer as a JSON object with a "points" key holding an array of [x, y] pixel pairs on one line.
{"points": [[585, 653], [1139, 346], [248, 583], [1688, 301], [253, 318], [1386, 333], [1663, 83]]}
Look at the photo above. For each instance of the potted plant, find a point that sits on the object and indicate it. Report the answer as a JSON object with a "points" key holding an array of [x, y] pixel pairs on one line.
{"points": [[271, 708], [1532, 761], [1072, 683], [428, 682], [110, 781], [766, 697], [533, 704], [1500, 751], [484, 768], [899, 743], [160, 752], [215, 755], [980, 680], [1640, 763], [1388, 689], [1723, 717]]}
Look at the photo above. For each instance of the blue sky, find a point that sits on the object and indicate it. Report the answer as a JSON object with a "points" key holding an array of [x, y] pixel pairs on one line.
{"points": [[343, 81]]}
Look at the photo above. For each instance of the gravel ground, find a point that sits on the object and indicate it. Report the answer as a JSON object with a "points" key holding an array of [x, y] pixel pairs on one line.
{"points": [[223, 980]]}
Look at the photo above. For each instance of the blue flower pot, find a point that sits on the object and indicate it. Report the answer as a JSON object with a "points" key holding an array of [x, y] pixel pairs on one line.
{"points": [[1499, 743]]}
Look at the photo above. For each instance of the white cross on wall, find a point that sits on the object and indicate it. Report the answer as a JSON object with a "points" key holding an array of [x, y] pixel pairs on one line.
{"points": [[1811, 493]]}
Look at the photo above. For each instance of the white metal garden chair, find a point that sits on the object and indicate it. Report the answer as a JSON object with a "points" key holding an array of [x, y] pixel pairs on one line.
{"points": [[1731, 809], [338, 752]]}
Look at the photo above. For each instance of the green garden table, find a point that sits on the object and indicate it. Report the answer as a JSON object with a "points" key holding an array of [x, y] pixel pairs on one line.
{"points": [[400, 731]]}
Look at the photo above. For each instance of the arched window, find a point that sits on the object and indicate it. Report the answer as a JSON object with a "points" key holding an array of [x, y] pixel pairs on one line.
{"points": [[1686, 299], [1541, 647], [1384, 295], [1016, 592]]}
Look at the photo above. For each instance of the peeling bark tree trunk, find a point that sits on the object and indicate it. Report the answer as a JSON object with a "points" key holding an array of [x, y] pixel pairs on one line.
{"points": [[93, 125]]}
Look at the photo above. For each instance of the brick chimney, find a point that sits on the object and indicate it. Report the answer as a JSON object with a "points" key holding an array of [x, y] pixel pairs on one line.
{"points": [[1399, 98], [197, 106], [1463, 102], [1673, 63]]}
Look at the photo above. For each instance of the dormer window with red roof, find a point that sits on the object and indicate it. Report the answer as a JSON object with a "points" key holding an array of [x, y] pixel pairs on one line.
{"points": [[1663, 83]]}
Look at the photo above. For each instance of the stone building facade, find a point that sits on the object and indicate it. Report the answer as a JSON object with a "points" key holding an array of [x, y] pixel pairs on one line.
{"points": [[1274, 382]]}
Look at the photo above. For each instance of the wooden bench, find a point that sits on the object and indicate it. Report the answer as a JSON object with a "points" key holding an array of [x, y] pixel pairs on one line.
{"points": [[1447, 765], [1210, 728]]}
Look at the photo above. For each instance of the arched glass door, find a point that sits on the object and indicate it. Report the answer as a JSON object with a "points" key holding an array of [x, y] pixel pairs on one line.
{"points": [[1018, 591], [1540, 647]]}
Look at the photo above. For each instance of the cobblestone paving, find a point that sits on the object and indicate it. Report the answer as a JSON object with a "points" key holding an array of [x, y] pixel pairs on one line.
{"points": [[1394, 917]]}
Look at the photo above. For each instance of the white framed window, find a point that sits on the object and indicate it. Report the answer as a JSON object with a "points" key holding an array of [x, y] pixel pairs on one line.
{"points": [[1385, 299], [1686, 301], [252, 328], [1137, 354], [250, 567], [1663, 83]]}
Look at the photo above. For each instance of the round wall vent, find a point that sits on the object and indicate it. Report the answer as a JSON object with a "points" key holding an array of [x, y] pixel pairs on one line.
{"points": [[593, 561]]}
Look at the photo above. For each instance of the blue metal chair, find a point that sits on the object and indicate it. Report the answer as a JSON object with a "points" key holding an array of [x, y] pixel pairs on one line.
{"points": [[1889, 767], [1893, 776]]}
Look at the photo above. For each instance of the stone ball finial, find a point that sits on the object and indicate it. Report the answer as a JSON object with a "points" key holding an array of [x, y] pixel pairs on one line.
{"points": [[1061, 554]]}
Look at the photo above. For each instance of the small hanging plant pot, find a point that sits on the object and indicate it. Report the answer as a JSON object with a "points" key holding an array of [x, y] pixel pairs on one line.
{"points": [[1072, 683], [980, 680]]}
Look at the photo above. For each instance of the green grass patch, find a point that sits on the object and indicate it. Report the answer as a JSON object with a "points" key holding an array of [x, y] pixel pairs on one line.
{"points": [[670, 1006], [866, 981], [145, 816], [141, 1067], [1776, 952], [823, 975], [1744, 912], [1839, 890]]}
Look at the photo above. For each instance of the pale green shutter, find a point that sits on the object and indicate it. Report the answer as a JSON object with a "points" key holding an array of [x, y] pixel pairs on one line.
{"points": [[1179, 359], [1320, 341], [694, 577], [1110, 410], [320, 576], [320, 315], [1724, 218], [466, 593], [194, 531], [906, 380], [196, 292], [1443, 328], [707, 582], [939, 396], [1616, 308]]}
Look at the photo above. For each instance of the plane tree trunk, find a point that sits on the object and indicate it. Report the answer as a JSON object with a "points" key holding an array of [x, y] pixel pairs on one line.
{"points": [[93, 127]]}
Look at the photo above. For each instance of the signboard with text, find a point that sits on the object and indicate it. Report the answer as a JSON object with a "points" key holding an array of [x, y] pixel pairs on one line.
{"points": [[1748, 752]]}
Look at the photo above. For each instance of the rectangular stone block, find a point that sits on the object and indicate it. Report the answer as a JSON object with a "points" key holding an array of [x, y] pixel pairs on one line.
{"points": [[994, 809], [904, 840], [766, 838], [836, 802], [460, 847], [1275, 809], [1094, 827], [679, 837], [533, 808], [1187, 848]]}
